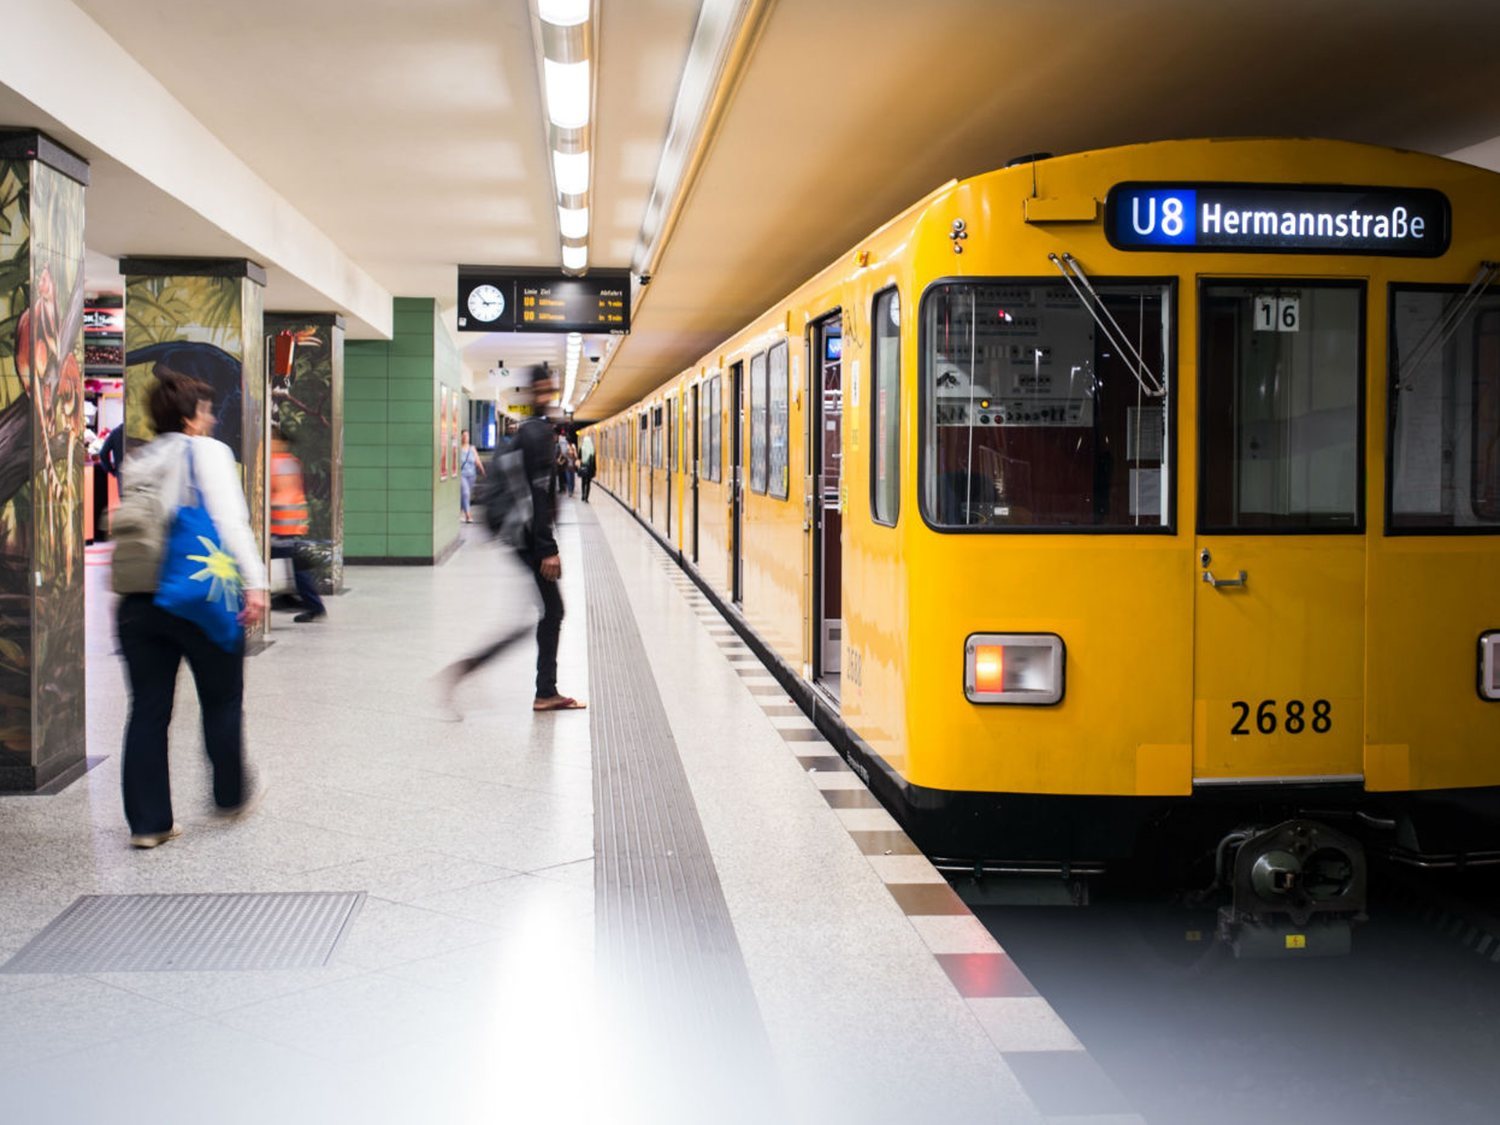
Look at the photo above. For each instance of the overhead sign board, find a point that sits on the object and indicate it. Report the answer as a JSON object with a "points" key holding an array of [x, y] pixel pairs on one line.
{"points": [[101, 320], [516, 301], [1278, 218]]}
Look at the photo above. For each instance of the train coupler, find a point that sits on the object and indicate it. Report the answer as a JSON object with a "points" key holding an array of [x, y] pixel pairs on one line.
{"points": [[1296, 891]]}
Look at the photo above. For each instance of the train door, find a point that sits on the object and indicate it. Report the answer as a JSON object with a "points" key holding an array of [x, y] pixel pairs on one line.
{"points": [[826, 450], [642, 463], [695, 429], [737, 480], [671, 459], [1280, 549]]}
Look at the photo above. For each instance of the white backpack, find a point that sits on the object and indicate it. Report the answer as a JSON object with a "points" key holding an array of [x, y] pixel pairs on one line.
{"points": [[140, 524]]}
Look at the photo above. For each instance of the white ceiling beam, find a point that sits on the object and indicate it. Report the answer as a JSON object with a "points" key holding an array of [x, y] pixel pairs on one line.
{"points": [[113, 106]]}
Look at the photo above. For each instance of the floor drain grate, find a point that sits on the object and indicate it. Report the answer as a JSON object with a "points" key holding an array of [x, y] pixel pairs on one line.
{"points": [[186, 933]]}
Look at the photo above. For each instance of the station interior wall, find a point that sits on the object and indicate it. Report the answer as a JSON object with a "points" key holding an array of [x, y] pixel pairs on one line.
{"points": [[396, 509]]}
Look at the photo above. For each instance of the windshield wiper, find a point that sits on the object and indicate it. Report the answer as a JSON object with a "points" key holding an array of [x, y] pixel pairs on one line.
{"points": [[1093, 304], [1445, 326]]}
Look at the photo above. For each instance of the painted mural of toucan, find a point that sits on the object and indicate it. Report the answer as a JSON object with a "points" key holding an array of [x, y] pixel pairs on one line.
{"points": [[214, 366]]}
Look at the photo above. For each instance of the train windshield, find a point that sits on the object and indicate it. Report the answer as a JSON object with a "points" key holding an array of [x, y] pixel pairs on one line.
{"points": [[1445, 411], [1035, 412]]}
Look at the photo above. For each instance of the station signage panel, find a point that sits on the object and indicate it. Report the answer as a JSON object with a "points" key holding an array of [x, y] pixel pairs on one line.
{"points": [[514, 301], [103, 320], [1278, 218]]}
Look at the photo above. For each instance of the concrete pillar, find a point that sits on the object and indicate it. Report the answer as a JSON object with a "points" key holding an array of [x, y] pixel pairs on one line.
{"points": [[307, 409], [202, 317], [42, 738]]}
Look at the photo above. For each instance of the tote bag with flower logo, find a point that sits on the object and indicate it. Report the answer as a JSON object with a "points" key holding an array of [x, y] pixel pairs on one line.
{"points": [[199, 581]]}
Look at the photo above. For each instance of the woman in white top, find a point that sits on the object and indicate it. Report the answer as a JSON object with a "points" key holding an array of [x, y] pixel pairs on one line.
{"points": [[154, 641]]}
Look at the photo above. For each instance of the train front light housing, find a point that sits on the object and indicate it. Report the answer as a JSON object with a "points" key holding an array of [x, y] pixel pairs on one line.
{"points": [[1489, 665], [1015, 668]]}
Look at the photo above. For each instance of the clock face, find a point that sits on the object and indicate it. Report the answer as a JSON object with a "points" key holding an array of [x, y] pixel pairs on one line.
{"points": [[486, 303]]}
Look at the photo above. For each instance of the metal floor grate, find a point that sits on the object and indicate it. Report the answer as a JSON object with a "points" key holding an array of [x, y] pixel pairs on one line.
{"points": [[183, 933]]}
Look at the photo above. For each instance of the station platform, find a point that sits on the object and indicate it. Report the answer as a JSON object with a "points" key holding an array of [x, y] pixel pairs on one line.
{"points": [[677, 905]]}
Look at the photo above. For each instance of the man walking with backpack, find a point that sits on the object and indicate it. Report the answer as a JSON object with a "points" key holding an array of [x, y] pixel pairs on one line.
{"points": [[517, 494]]}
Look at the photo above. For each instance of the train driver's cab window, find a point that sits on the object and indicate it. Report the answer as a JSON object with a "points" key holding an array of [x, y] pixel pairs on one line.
{"points": [[1045, 406], [1445, 411], [1280, 393]]}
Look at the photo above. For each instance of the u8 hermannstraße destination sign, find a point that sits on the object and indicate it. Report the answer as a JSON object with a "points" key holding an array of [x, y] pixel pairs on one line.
{"points": [[1284, 218]]}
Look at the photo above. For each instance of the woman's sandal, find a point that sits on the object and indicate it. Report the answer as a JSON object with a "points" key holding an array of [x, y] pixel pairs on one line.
{"points": [[558, 703]]}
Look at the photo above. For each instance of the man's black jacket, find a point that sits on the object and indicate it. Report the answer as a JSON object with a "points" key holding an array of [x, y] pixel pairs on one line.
{"points": [[538, 446]]}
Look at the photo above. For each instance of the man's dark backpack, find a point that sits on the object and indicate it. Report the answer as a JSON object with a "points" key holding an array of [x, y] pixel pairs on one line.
{"points": [[505, 494]]}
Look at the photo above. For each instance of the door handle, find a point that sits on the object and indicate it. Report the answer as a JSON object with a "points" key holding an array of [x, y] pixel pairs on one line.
{"points": [[1220, 583]]}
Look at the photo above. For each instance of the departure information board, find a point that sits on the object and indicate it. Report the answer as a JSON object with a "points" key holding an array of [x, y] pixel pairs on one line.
{"points": [[511, 301]]}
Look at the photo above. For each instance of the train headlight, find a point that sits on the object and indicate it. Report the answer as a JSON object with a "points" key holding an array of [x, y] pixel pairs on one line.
{"points": [[1025, 668], [1489, 665]]}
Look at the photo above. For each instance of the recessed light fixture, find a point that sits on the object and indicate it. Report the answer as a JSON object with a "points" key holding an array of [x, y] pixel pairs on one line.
{"points": [[565, 46], [572, 172], [563, 13], [573, 222]]}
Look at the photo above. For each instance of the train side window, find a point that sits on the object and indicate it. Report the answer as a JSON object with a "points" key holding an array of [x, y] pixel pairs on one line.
{"points": [[1033, 419], [780, 427], [1445, 412], [643, 446], [705, 432], [758, 443], [1281, 396], [718, 424], [885, 405]]}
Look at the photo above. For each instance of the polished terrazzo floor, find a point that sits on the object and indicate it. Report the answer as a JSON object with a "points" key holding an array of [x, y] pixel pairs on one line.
{"points": [[465, 990]]}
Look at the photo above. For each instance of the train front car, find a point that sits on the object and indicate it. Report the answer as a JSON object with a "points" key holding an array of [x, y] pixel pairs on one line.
{"points": [[1204, 448]]}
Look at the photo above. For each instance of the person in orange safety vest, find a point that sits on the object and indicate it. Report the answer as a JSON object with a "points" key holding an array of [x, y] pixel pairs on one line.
{"points": [[289, 527]]}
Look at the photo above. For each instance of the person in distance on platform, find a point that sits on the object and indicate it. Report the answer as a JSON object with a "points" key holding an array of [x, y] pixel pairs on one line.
{"points": [[155, 641], [538, 553], [470, 469], [586, 466], [289, 528]]}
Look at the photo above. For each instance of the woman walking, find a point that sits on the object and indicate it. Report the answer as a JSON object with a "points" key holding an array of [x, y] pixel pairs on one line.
{"points": [[186, 465], [469, 470]]}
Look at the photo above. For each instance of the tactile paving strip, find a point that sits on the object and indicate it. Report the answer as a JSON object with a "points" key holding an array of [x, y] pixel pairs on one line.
{"points": [[191, 932], [665, 938]]}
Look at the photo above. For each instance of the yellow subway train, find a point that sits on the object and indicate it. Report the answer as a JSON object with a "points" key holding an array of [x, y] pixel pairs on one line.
{"points": [[1151, 492]]}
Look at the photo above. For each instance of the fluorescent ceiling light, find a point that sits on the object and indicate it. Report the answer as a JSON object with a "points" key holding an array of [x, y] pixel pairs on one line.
{"points": [[567, 87], [573, 222], [575, 257], [572, 169], [563, 13]]}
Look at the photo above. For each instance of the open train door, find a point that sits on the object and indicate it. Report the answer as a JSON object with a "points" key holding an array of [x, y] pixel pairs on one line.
{"points": [[695, 428], [826, 450], [737, 481], [1280, 550]]}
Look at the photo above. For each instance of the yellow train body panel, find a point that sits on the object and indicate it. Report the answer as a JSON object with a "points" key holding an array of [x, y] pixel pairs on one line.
{"points": [[1346, 654]]}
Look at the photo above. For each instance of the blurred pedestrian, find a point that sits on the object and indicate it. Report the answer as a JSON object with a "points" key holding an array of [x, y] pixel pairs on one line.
{"points": [[469, 470], [570, 466], [184, 465], [289, 528], [537, 551], [586, 466]]}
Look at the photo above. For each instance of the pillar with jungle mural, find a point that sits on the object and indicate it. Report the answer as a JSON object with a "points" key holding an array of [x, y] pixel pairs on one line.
{"points": [[202, 317], [307, 411], [42, 735]]}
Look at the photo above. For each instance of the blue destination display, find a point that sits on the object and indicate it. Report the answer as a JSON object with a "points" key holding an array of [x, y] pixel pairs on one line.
{"points": [[1289, 218]]}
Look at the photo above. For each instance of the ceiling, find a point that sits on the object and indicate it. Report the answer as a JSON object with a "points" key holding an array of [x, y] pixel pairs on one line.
{"points": [[411, 134]]}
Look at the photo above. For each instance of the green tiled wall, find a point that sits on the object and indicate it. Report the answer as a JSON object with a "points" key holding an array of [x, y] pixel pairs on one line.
{"points": [[394, 505]]}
